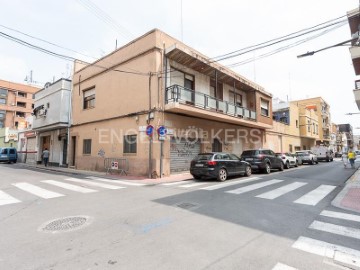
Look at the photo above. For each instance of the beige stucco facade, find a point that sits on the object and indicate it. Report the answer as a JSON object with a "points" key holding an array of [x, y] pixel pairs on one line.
{"points": [[157, 80]]}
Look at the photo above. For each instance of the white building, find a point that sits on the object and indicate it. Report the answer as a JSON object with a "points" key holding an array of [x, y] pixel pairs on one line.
{"points": [[51, 121]]}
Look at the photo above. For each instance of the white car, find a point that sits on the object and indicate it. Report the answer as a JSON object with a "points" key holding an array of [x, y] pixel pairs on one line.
{"points": [[307, 156], [288, 159]]}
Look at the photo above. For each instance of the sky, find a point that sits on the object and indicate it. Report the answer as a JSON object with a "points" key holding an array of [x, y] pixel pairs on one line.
{"points": [[211, 27]]}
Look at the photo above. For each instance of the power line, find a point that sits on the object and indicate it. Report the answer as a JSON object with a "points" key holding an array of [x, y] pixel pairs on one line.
{"points": [[102, 15]]}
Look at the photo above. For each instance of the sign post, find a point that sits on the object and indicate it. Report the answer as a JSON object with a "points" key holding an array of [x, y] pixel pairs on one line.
{"points": [[161, 132]]}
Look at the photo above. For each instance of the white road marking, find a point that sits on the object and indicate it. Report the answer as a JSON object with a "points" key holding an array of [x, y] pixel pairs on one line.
{"points": [[338, 253], [38, 191], [91, 183], [69, 186], [281, 266], [281, 191], [178, 183], [335, 229], [194, 185], [230, 183], [116, 181], [315, 196], [340, 215], [7, 199], [253, 187]]}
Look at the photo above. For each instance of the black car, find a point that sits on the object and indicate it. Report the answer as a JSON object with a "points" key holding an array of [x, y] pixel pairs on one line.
{"points": [[262, 160], [218, 165]]}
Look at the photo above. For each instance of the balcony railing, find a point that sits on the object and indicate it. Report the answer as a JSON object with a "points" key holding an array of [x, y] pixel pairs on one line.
{"points": [[177, 93]]}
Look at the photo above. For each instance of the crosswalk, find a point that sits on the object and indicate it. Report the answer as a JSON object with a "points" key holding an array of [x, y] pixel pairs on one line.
{"points": [[50, 189], [256, 184], [338, 254]]}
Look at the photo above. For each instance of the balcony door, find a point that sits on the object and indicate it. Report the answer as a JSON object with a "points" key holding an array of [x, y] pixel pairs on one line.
{"points": [[216, 93], [186, 83]]}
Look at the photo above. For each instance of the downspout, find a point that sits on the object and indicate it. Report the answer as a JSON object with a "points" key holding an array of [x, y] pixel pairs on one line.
{"points": [[69, 124], [150, 137]]}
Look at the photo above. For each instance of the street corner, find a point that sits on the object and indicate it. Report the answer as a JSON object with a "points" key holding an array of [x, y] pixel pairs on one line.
{"points": [[351, 199]]}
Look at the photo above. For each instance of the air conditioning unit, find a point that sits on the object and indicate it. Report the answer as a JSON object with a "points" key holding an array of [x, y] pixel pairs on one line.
{"points": [[42, 112]]}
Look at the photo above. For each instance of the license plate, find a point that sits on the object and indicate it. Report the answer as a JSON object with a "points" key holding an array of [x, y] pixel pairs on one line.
{"points": [[248, 159], [199, 165]]}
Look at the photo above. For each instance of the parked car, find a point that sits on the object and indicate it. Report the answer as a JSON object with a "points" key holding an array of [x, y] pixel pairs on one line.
{"points": [[338, 154], [262, 159], [288, 159], [307, 157], [218, 165], [8, 154], [323, 153]]}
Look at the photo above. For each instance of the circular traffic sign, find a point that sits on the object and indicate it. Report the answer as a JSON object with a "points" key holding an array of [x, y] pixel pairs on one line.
{"points": [[162, 131], [149, 130]]}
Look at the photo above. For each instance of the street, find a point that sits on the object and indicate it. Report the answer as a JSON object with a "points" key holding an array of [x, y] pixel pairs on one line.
{"points": [[284, 220]]}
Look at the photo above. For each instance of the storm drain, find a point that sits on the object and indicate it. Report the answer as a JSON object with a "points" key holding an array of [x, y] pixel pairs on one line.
{"points": [[186, 205], [65, 224]]}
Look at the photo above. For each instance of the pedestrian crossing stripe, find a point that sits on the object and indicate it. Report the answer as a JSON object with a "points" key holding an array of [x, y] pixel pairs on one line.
{"points": [[193, 185], [253, 187], [336, 252], [69, 186], [7, 199], [231, 183], [340, 215], [273, 194], [281, 266], [92, 183], [38, 191], [116, 181], [335, 229], [316, 195]]}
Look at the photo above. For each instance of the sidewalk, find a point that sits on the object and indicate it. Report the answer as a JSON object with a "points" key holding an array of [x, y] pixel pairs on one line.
{"points": [[138, 179], [349, 197]]}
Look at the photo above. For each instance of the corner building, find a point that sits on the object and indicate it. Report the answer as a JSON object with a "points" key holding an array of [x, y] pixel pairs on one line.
{"points": [[157, 81]]}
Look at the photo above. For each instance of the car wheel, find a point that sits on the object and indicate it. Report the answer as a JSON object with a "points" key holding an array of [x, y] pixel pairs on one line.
{"points": [[281, 166], [222, 175], [296, 164], [247, 171], [287, 165], [312, 162], [197, 177], [267, 169]]}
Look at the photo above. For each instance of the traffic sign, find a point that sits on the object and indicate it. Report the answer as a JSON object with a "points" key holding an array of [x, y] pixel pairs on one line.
{"points": [[149, 130], [162, 131]]}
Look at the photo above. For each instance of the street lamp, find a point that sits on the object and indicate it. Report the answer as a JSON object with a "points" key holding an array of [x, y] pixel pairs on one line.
{"points": [[332, 46]]}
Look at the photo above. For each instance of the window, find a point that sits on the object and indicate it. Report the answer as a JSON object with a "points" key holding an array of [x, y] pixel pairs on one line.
{"points": [[235, 98], [3, 92], [130, 144], [264, 107], [2, 114], [297, 123], [290, 149], [314, 131], [16, 124], [1, 124], [233, 157], [309, 126], [2, 101], [87, 147], [189, 82], [12, 151], [21, 104], [21, 94], [89, 98], [20, 114]]}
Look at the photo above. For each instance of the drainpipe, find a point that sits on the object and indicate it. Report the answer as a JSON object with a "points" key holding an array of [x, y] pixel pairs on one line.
{"points": [[150, 137], [69, 125]]}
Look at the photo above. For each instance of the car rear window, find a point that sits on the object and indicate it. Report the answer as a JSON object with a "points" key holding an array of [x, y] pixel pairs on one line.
{"points": [[250, 153], [203, 157]]}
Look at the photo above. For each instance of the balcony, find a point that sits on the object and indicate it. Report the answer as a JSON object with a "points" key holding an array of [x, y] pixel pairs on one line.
{"points": [[355, 56], [186, 101], [357, 93]]}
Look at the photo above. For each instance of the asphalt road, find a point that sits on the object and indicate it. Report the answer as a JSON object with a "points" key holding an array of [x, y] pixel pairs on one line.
{"points": [[263, 222]]}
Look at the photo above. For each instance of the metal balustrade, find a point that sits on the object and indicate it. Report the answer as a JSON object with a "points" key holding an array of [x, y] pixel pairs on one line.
{"points": [[177, 93]]}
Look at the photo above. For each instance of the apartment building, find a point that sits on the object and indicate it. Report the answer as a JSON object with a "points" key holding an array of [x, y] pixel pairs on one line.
{"points": [[51, 121], [295, 127], [158, 83], [354, 23], [321, 125], [16, 104]]}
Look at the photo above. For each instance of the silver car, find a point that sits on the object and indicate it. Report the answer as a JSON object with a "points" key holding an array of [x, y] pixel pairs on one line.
{"points": [[307, 157]]}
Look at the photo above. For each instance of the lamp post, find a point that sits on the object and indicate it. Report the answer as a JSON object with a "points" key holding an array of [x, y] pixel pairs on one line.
{"points": [[344, 43]]}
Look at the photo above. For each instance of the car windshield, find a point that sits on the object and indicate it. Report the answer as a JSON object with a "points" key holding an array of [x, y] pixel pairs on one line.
{"points": [[203, 157], [250, 153], [301, 154]]}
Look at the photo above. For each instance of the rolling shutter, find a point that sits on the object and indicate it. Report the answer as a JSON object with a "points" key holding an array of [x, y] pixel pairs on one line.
{"points": [[182, 151]]}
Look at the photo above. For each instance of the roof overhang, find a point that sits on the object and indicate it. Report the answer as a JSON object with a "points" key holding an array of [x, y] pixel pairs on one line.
{"points": [[201, 64]]}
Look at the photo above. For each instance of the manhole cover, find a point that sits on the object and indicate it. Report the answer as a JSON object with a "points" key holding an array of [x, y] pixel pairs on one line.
{"points": [[65, 224], [186, 205]]}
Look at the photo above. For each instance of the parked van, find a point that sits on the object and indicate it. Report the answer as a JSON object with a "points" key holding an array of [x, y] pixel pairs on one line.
{"points": [[8, 154], [323, 153]]}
